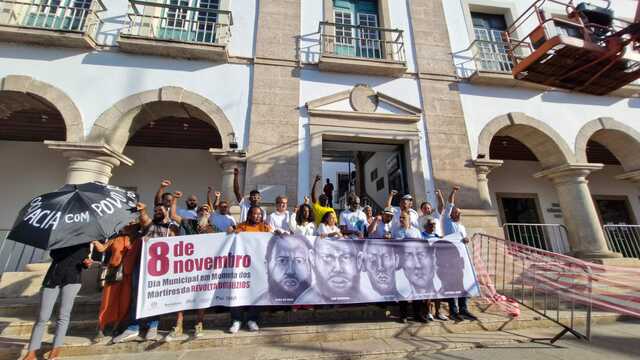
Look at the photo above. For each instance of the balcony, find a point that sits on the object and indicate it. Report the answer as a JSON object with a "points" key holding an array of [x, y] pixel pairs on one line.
{"points": [[491, 63], [361, 50], [178, 31], [50, 23]]}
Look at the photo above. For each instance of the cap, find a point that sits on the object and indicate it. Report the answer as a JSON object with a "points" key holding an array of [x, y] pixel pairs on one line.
{"points": [[407, 197], [204, 206], [388, 210]]}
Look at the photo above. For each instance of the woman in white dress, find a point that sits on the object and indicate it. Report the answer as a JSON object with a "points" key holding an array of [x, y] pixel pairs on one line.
{"points": [[328, 227], [302, 223]]}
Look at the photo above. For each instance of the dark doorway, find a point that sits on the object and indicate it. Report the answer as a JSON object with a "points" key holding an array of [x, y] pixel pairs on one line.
{"points": [[520, 215], [613, 210]]}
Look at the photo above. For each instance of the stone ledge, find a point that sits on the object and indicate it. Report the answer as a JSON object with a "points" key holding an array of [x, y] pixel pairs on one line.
{"points": [[44, 37], [146, 46], [355, 65]]}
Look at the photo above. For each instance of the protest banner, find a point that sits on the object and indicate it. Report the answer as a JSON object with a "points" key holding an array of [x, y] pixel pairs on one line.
{"points": [[200, 271]]}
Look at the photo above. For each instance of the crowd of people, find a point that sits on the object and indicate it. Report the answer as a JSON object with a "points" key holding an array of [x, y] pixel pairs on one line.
{"points": [[314, 217]]}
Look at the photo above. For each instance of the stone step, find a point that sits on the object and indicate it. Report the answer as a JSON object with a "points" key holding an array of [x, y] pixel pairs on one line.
{"points": [[343, 327]]}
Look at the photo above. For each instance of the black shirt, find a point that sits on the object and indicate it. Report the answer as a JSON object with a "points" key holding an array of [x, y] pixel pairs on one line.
{"points": [[66, 267]]}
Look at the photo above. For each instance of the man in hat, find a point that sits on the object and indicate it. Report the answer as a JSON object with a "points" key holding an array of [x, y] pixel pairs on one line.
{"points": [[406, 205], [380, 227]]}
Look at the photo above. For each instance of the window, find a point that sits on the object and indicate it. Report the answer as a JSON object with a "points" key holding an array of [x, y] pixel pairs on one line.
{"points": [[177, 15], [493, 49], [190, 25], [357, 32]]}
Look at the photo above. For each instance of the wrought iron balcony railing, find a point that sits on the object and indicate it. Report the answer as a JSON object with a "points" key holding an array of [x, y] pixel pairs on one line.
{"points": [[365, 42], [205, 25], [81, 16]]}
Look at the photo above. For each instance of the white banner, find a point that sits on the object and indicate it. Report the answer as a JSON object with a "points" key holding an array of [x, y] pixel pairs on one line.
{"points": [[200, 271]]}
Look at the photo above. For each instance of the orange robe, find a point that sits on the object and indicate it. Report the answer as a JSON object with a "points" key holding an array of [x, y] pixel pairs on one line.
{"points": [[116, 297]]}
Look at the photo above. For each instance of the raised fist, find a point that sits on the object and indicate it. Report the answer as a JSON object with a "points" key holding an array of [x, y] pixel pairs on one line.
{"points": [[236, 172], [165, 183], [306, 200], [394, 192], [209, 189], [438, 192], [177, 194], [456, 188], [217, 194], [140, 206], [318, 178]]}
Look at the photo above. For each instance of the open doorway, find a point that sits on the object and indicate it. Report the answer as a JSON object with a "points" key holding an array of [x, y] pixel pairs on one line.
{"points": [[370, 170]]}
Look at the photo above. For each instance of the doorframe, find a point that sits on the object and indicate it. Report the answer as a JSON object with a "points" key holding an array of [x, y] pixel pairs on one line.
{"points": [[534, 196], [625, 198]]}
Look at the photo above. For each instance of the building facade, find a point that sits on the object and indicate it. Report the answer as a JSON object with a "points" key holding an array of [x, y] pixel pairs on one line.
{"points": [[373, 95]]}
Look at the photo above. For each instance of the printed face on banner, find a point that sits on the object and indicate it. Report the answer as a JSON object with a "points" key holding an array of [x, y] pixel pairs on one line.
{"points": [[380, 263], [336, 268], [418, 265], [449, 266], [289, 271]]}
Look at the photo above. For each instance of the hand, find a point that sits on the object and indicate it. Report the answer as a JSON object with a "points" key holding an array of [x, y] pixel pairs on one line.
{"points": [[177, 194], [394, 192], [230, 230], [96, 243], [456, 188], [465, 240], [217, 194], [165, 183], [307, 200], [209, 189], [87, 262], [318, 178], [236, 172], [438, 192]]}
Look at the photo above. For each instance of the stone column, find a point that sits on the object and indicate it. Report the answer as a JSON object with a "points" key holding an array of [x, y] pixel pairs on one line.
{"points": [[586, 237], [89, 162], [483, 168], [229, 161]]}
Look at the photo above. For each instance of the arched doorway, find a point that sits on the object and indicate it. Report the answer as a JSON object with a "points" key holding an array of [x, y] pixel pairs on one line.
{"points": [[617, 200], [168, 137], [30, 113]]}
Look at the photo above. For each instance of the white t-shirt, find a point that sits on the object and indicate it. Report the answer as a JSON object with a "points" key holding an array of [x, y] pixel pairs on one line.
{"points": [[410, 233], [436, 218], [449, 226], [280, 221], [222, 222], [305, 230], [324, 230], [353, 220], [245, 205], [412, 214], [186, 213], [381, 230]]}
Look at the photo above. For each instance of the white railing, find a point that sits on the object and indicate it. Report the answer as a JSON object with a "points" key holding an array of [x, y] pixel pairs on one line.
{"points": [[82, 16], [14, 256], [549, 237], [624, 239], [365, 42], [198, 25]]}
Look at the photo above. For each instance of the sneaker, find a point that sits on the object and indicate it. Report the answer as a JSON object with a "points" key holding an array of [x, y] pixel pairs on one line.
{"points": [[175, 333], [235, 327], [253, 326], [467, 315], [152, 334], [441, 317], [198, 330], [127, 335], [430, 317]]}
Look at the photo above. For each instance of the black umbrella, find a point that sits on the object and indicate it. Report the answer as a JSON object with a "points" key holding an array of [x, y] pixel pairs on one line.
{"points": [[75, 214]]}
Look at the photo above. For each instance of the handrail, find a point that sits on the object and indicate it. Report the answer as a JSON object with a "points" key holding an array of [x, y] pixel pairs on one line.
{"points": [[549, 237], [624, 239], [367, 42], [176, 6], [85, 19]]}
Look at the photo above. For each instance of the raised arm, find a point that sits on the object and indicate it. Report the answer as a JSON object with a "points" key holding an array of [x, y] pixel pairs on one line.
{"points": [[236, 184], [161, 190], [209, 199], [452, 196], [173, 213], [145, 219], [100, 247], [374, 225], [390, 198], [314, 198], [216, 202], [440, 200]]}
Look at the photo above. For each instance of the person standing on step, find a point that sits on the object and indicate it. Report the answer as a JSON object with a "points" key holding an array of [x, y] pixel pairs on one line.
{"points": [[451, 224], [62, 279]]}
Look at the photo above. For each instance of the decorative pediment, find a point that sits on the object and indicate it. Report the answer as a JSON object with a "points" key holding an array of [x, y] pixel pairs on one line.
{"points": [[365, 103]]}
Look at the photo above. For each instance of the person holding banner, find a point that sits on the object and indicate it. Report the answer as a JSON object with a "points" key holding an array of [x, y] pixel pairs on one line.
{"points": [[353, 221], [328, 226], [429, 234], [380, 227], [199, 225], [302, 223], [279, 220], [458, 309], [246, 203], [159, 226], [220, 218], [254, 223]]}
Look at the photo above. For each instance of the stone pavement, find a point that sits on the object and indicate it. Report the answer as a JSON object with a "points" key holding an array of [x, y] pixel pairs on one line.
{"points": [[619, 340]]}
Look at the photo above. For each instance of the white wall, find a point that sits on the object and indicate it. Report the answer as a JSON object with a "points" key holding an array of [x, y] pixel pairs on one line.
{"points": [[29, 169], [312, 15], [565, 112], [517, 177], [190, 170], [377, 161]]}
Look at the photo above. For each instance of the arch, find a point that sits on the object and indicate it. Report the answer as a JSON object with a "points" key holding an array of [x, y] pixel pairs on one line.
{"points": [[548, 146], [117, 124], [622, 140], [54, 96]]}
